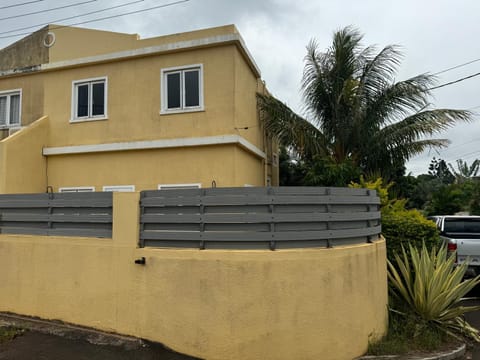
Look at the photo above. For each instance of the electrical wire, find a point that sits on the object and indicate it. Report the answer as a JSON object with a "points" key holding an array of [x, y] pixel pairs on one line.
{"points": [[454, 82], [21, 4], [105, 18], [68, 18], [47, 10], [457, 66]]}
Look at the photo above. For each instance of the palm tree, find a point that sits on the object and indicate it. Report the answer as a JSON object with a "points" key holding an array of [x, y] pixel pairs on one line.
{"points": [[356, 111], [465, 172]]}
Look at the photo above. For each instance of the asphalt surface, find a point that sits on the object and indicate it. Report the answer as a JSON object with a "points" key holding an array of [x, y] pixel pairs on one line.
{"points": [[474, 319], [37, 346]]}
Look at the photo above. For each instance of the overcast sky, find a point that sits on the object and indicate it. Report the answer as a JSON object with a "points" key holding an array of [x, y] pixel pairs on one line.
{"points": [[434, 35]]}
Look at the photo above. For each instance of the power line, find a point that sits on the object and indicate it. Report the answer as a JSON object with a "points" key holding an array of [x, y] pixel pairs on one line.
{"points": [[21, 4], [454, 82], [104, 18], [67, 18], [47, 10], [457, 66]]}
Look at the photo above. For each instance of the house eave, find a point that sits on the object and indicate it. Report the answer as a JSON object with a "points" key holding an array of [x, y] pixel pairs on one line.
{"points": [[156, 144]]}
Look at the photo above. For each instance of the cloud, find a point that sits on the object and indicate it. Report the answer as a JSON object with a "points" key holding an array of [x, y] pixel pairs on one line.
{"points": [[434, 35]]}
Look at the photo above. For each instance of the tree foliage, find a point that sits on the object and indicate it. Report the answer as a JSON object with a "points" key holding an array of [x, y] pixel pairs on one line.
{"points": [[357, 114], [463, 172]]}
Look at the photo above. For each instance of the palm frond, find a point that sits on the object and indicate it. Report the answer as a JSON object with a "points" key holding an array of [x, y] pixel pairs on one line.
{"points": [[289, 128]]}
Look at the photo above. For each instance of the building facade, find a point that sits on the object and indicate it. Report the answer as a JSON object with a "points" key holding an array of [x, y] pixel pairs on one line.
{"points": [[89, 110]]}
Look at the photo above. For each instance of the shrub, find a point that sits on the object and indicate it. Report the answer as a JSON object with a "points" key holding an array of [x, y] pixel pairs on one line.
{"points": [[430, 287], [402, 227]]}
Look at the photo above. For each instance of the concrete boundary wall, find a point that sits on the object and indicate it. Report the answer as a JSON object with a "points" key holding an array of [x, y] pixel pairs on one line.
{"points": [[214, 304]]}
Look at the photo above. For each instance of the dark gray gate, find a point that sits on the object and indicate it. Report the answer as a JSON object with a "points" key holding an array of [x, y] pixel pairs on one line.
{"points": [[259, 218]]}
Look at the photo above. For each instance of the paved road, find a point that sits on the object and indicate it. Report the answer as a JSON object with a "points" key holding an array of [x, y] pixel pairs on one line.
{"points": [[474, 319], [36, 346]]}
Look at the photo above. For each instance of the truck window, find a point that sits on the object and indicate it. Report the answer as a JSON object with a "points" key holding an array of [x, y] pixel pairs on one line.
{"points": [[461, 225]]}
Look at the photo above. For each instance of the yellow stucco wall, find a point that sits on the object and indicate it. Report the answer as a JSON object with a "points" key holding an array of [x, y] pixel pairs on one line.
{"points": [[134, 100], [23, 168], [134, 103], [218, 304], [148, 168], [32, 95], [74, 42]]}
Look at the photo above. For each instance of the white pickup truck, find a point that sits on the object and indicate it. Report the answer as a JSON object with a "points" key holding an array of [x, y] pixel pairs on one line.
{"points": [[462, 234]]}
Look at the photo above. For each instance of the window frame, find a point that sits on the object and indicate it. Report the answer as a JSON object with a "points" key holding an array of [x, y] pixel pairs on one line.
{"points": [[71, 189], [119, 188], [90, 117], [9, 94], [179, 186], [164, 89]]}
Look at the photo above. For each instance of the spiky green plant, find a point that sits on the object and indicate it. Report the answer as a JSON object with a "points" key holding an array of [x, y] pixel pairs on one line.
{"points": [[431, 287]]}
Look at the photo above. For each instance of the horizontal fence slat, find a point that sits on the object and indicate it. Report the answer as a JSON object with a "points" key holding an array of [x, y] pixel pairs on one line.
{"points": [[252, 236], [62, 214], [258, 217]]}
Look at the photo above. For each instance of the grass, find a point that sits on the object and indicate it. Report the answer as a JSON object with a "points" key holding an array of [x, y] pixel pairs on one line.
{"points": [[9, 333], [408, 334]]}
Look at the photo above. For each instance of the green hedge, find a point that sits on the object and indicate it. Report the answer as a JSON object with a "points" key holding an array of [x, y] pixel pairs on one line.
{"points": [[403, 227]]}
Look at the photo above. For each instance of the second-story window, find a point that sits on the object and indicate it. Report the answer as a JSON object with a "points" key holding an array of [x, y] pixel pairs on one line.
{"points": [[182, 89], [10, 108], [89, 99]]}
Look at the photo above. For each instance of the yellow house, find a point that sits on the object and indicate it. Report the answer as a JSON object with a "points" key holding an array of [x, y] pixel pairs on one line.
{"points": [[90, 110]]}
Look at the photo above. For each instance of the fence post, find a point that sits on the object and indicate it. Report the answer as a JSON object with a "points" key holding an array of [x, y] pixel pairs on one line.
{"points": [[126, 218]]}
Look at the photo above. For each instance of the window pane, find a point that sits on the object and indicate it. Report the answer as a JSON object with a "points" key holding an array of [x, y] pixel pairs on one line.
{"points": [[192, 91], [3, 110], [98, 107], [82, 100], [173, 91], [14, 109]]}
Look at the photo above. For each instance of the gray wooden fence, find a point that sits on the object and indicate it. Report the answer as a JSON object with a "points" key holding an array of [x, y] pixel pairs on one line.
{"points": [[259, 218], [68, 214]]}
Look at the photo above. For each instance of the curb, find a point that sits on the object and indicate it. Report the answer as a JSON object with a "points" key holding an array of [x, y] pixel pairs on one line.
{"points": [[69, 331], [447, 355]]}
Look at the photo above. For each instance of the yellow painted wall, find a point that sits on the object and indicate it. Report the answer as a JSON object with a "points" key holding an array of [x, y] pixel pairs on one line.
{"points": [[22, 164], [148, 168], [74, 42], [32, 95], [218, 304], [187, 36], [134, 102], [248, 169]]}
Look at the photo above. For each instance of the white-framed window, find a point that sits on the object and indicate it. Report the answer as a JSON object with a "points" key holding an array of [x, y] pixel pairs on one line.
{"points": [[10, 108], [182, 89], [89, 99], [76, 189], [122, 188], [179, 186]]}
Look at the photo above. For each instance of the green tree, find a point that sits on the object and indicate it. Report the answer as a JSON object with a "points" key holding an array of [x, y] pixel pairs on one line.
{"points": [[463, 171], [439, 170], [292, 169], [356, 112], [447, 200]]}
